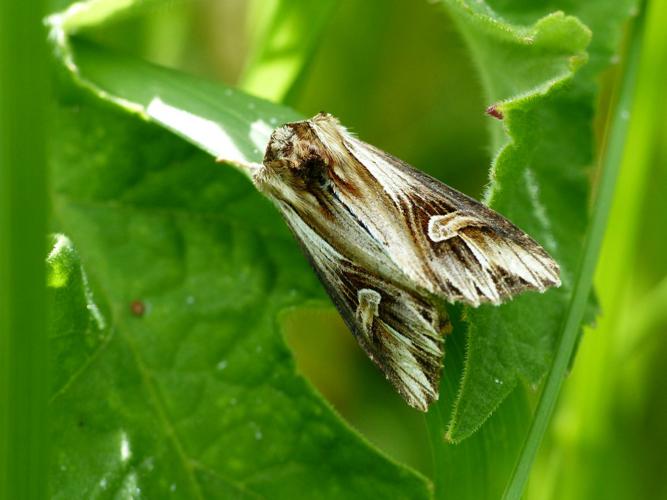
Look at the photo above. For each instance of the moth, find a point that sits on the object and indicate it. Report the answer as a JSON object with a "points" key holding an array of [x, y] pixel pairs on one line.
{"points": [[392, 245]]}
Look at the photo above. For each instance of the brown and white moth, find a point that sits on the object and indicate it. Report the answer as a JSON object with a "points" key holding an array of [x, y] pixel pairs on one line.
{"points": [[392, 245]]}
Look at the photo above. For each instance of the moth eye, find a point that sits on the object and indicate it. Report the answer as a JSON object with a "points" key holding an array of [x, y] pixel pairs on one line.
{"points": [[314, 171]]}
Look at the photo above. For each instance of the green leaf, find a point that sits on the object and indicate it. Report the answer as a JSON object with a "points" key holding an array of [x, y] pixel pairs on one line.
{"points": [[479, 466], [172, 378], [77, 328], [228, 124], [529, 58], [192, 392]]}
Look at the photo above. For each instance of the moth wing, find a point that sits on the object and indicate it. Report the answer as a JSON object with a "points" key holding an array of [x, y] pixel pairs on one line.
{"points": [[467, 252], [400, 330]]}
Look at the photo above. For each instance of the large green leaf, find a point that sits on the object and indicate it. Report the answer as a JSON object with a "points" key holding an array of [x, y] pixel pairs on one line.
{"points": [[528, 56], [190, 390], [171, 379]]}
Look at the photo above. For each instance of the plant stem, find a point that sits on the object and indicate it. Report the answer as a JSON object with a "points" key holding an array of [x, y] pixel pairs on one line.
{"points": [[611, 162], [436, 434], [23, 338]]}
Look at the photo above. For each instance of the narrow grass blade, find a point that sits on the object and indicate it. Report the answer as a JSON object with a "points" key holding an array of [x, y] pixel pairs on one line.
{"points": [[284, 45], [23, 345]]}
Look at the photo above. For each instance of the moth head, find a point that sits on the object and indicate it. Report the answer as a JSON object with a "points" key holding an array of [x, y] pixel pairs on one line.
{"points": [[296, 155]]}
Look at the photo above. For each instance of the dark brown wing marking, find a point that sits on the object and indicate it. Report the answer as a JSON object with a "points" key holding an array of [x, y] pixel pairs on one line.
{"points": [[468, 252]]}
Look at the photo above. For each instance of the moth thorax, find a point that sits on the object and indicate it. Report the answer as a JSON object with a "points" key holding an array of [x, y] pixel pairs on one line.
{"points": [[281, 145], [295, 154], [291, 144]]}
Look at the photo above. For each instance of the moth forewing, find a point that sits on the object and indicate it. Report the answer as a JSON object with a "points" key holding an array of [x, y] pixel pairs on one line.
{"points": [[397, 328], [391, 244]]}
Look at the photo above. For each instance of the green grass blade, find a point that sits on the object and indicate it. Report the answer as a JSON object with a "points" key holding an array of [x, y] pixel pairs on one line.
{"points": [[612, 159], [23, 345], [284, 46]]}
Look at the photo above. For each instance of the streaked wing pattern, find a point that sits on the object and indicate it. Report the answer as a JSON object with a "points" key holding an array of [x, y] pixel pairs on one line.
{"points": [[391, 244], [398, 329]]}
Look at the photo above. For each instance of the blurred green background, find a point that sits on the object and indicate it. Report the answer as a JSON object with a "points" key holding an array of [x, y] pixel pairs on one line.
{"points": [[609, 435]]}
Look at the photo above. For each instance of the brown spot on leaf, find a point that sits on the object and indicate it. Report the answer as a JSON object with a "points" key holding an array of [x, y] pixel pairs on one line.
{"points": [[137, 308], [495, 112]]}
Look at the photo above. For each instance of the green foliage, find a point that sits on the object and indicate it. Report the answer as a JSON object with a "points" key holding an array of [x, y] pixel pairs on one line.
{"points": [[170, 376], [610, 166], [173, 379], [480, 465], [539, 177], [616, 384], [78, 328]]}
